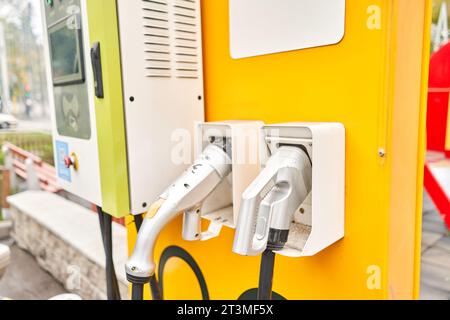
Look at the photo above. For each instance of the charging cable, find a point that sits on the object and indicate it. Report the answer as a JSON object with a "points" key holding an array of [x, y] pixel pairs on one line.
{"points": [[112, 286]]}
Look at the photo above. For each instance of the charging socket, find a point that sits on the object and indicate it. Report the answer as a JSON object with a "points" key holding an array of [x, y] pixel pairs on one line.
{"points": [[319, 221]]}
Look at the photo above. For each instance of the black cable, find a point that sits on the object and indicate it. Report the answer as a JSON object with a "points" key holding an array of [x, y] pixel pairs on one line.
{"points": [[109, 245], [137, 291], [266, 275], [112, 286], [113, 292], [170, 252], [155, 289], [180, 253], [138, 222]]}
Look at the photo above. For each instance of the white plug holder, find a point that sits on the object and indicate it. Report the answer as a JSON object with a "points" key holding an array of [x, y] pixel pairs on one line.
{"points": [[320, 220], [222, 206]]}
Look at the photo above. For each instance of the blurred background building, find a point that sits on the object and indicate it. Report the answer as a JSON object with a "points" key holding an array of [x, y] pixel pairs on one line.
{"points": [[23, 86]]}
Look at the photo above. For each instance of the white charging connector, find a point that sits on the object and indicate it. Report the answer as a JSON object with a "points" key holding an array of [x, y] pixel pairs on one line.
{"points": [[270, 202], [268, 207], [184, 196]]}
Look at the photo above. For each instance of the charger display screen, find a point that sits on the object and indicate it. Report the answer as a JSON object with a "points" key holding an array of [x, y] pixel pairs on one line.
{"points": [[66, 53]]}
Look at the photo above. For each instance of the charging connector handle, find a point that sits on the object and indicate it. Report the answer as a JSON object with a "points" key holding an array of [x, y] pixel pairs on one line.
{"points": [[270, 202], [187, 192]]}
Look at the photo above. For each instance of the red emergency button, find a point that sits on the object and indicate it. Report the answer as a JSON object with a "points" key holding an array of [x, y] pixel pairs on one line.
{"points": [[68, 161], [71, 161]]}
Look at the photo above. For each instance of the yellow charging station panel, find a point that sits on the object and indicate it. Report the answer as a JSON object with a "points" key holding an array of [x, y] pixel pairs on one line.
{"points": [[374, 81]]}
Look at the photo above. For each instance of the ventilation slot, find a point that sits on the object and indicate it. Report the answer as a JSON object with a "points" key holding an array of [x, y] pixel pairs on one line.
{"points": [[186, 38], [171, 38], [157, 38]]}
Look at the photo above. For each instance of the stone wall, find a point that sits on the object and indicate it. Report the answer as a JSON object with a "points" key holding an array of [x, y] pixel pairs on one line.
{"points": [[65, 239]]}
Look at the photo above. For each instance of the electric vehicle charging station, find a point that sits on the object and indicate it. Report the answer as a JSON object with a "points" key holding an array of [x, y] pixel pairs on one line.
{"points": [[120, 72], [314, 67], [373, 81]]}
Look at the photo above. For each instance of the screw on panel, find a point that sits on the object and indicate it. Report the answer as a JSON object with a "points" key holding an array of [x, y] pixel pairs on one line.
{"points": [[382, 153]]}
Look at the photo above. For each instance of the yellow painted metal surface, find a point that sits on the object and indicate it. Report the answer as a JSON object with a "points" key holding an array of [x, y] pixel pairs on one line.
{"points": [[374, 82], [408, 123]]}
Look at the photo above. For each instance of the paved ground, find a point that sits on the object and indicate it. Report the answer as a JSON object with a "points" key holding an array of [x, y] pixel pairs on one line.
{"points": [[435, 255], [25, 280]]}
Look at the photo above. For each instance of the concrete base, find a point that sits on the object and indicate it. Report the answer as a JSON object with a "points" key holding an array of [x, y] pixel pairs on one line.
{"points": [[4, 259], [5, 229], [65, 239]]}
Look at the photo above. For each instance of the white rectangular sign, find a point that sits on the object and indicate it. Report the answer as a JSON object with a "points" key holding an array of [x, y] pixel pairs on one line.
{"points": [[259, 27]]}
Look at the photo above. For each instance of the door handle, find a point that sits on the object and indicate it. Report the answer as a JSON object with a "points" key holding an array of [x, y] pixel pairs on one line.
{"points": [[97, 68]]}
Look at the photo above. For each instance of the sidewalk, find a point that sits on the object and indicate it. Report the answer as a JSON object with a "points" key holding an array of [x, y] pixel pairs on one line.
{"points": [[25, 280], [435, 255]]}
